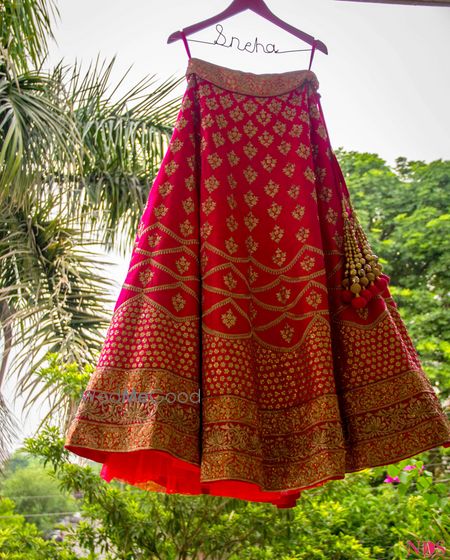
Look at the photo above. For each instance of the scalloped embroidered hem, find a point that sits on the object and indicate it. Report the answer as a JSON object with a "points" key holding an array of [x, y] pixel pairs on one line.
{"points": [[159, 471]]}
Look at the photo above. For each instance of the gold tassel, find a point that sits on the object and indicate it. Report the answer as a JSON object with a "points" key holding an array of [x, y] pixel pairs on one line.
{"points": [[363, 277]]}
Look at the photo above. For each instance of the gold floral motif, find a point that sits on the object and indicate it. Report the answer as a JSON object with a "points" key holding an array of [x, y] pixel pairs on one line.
{"points": [[206, 230], [226, 101], [233, 158], [269, 163], [304, 116], [250, 151], [277, 233], [145, 276], [211, 103], [154, 239], [232, 223], [231, 201], [211, 184], [188, 205], [207, 121], [308, 262], [190, 183], [252, 274], [160, 211], [234, 135], [302, 234], [309, 174], [271, 188], [331, 216], [203, 262], [298, 212], [274, 210], [263, 117], [176, 145], [314, 298], [191, 162], [289, 113], [232, 181], [284, 147], [289, 169], [218, 139], [283, 295], [252, 311], [228, 319], [250, 129], [171, 167], [287, 332], [294, 191], [250, 198], [236, 114], [250, 107], [279, 257], [296, 130], [251, 221], [321, 131], [180, 124], [251, 244], [231, 245], [230, 281], [279, 128], [325, 194], [214, 160], [274, 106], [338, 239], [178, 302], [203, 144], [165, 188], [182, 264], [250, 174], [303, 151], [265, 139], [186, 228], [208, 205], [221, 121], [204, 89]]}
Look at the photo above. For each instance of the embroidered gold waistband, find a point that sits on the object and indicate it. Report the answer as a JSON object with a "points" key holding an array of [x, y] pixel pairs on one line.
{"points": [[263, 85]]}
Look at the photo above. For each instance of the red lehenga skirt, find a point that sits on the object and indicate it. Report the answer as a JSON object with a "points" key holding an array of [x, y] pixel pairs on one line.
{"points": [[255, 350]]}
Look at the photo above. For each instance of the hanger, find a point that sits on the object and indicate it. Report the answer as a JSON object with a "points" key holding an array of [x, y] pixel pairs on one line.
{"points": [[258, 7]]}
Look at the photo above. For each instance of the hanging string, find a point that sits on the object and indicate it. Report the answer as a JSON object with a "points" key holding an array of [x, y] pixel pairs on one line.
{"points": [[186, 45], [312, 54]]}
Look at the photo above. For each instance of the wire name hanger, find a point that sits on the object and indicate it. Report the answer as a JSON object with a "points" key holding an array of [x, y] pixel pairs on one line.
{"points": [[223, 40], [258, 7]]}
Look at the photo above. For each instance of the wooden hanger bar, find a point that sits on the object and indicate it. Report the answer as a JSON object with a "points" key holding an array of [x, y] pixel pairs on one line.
{"points": [[258, 7], [442, 3]]}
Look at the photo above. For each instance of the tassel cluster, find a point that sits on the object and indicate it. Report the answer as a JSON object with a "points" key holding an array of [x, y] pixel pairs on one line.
{"points": [[363, 277]]}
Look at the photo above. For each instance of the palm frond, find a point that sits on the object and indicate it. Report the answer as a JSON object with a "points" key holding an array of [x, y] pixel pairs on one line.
{"points": [[25, 28], [54, 287]]}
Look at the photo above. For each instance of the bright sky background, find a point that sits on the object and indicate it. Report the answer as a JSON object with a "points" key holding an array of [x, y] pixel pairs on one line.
{"points": [[385, 83]]}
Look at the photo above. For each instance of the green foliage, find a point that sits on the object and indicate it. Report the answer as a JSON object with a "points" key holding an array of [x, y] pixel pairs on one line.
{"points": [[405, 212], [358, 518], [20, 540]]}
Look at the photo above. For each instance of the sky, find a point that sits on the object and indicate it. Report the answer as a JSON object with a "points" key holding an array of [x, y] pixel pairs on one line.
{"points": [[385, 83]]}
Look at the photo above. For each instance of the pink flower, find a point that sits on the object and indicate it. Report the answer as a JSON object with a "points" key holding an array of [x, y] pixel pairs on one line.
{"points": [[390, 479], [409, 467]]}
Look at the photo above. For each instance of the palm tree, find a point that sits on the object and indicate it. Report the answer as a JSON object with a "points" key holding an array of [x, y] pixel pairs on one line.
{"points": [[76, 165]]}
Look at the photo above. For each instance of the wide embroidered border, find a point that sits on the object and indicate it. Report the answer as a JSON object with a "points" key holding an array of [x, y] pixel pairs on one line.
{"points": [[263, 85]]}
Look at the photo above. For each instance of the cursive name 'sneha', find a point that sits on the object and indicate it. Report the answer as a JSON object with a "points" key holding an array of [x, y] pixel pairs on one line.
{"points": [[222, 41]]}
